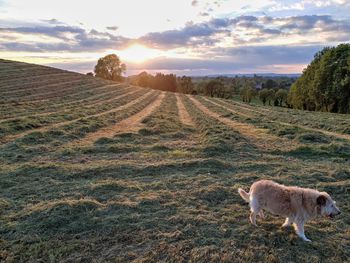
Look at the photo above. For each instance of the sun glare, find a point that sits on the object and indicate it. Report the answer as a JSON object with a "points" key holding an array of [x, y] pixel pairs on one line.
{"points": [[138, 53]]}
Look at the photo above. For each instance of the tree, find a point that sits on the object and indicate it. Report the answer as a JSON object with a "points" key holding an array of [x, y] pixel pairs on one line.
{"points": [[165, 82], [325, 83], [264, 95], [160, 81], [144, 80], [270, 84], [90, 74], [270, 96], [235, 85], [110, 68], [213, 87], [281, 96], [247, 94], [185, 85]]}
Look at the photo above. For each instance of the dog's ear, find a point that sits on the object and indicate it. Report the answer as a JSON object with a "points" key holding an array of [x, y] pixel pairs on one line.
{"points": [[321, 200]]}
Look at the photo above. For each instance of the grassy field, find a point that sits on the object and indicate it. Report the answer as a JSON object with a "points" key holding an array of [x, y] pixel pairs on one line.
{"points": [[93, 171]]}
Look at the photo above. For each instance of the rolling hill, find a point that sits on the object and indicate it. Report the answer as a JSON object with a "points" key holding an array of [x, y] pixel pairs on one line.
{"points": [[94, 171]]}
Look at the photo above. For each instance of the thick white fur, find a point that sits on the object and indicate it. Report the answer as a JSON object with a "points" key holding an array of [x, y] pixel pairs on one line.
{"points": [[296, 204]]}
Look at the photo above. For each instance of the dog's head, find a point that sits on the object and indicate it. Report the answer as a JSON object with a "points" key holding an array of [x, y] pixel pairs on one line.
{"points": [[327, 206]]}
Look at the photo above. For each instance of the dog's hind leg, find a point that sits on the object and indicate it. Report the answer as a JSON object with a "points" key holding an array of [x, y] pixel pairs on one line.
{"points": [[261, 214], [255, 210], [299, 229], [253, 218], [288, 222]]}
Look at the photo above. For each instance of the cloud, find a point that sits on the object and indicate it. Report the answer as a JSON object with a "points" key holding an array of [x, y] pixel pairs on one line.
{"points": [[69, 38], [243, 43], [258, 59], [203, 14], [302, 23], [191, 34], [45, 30], [37, 47], [282, 5], [52, 21], [236, 59], [247, 30], [264, 55], [204, 36], [81, 66], [112, 28]]}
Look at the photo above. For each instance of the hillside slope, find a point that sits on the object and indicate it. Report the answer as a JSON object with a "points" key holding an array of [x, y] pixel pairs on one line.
{"points": [[94, 171]]}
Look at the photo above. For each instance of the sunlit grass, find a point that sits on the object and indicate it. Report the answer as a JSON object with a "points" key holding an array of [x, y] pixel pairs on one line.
{"points": [[166, 192]]}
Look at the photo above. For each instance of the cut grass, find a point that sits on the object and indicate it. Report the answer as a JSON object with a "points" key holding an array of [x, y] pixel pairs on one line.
{"points": [[167, 192]]}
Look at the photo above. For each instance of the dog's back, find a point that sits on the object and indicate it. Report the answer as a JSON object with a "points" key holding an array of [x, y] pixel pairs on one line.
{"points": [[272, 197]]}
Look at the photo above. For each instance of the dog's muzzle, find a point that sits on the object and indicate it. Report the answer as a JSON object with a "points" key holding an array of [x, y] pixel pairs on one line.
{"points": [[331, 216]]}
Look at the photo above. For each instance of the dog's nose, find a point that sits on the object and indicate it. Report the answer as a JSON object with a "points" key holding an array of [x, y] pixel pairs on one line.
{"points": [[339, 213]]}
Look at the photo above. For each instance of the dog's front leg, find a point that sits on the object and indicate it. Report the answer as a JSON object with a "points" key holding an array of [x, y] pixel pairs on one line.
{"points": [[299, 229]]}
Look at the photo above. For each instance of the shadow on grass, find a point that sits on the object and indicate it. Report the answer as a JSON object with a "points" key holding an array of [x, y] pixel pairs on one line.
{"points": [[334, 151]]}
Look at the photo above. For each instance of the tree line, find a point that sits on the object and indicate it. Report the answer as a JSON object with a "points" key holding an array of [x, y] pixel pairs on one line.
{"points": [[325, 83], [272, 91], [160, 81], [111, 68], [323, 86]]}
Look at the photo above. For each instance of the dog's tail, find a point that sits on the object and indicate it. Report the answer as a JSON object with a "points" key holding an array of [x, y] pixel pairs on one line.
{"points": [[244, 194]]}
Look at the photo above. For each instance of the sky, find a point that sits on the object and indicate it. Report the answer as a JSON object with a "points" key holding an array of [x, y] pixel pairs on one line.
{"points": [[185, 37]]}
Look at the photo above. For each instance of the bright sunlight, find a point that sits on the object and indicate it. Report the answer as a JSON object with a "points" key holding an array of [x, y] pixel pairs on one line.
{"points": [[138, 53]]}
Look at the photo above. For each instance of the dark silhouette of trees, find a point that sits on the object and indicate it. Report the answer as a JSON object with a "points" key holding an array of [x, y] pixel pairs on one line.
{"points": [[165, 82], [248, 93], [270, 84], [144, 80], [263, 95], [271, 96], [110, 68], [281, 97], [90, 74], [185, 85], [325, 83], [221, 87], [268, 95], [214, 88], [160, 81]]}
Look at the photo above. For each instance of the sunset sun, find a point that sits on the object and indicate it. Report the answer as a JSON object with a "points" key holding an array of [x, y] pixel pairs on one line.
{"points": [[138, 53]]}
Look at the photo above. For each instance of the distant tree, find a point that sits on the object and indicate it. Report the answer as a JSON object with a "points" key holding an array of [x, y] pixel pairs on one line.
{"points": [[264, 95], [213, 87], [165, 82], [281, 96], [90, 74], [248, 93], [235, 86], [270, 84], [271, 96], [200, 87], [171, 82], [110, 68], [144, 80], [185, 85]]}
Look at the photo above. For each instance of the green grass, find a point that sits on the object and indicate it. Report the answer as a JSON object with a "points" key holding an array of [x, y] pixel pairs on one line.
{"points": [[165, 193]]}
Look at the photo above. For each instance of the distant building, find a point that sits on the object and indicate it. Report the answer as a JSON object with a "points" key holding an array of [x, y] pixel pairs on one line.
{"points": [[258, 86]]}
